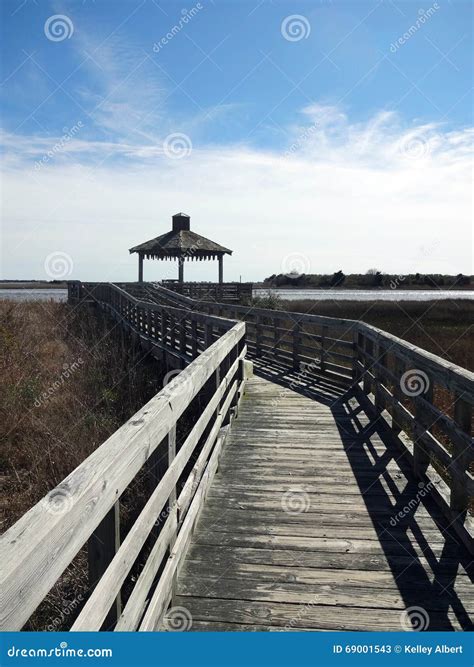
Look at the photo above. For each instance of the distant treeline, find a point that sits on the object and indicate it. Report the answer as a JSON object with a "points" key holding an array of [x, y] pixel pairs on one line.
{"points": [[372, 278]]}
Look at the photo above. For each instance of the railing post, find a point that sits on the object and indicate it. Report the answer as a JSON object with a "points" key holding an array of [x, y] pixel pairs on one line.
{"points": [[163, 325], [381, 358], [421, 458], [324, 333], [258, 336], [275, 336], [368, 350], [357, 345], [194, 338], [460, 457], [172, 325], [182, 335], [148, 323], [397, 393], [208, 334], [102, 546], [296, 345]]}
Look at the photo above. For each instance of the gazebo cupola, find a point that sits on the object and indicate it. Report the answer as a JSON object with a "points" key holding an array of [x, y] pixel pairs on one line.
{"points": [[181, 244]]}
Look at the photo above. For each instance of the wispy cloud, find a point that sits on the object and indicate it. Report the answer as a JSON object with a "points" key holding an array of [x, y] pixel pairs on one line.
{"points": [[351, 195]]}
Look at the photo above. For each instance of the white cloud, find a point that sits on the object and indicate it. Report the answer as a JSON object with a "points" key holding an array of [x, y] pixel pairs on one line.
{"points": [[351, 195]]}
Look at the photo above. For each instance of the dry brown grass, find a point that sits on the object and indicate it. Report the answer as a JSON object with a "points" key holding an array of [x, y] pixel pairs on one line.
{"points": [[68, 382]]}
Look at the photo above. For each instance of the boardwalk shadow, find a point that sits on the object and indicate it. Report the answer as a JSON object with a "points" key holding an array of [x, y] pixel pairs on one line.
{"points": [[428, 561]]}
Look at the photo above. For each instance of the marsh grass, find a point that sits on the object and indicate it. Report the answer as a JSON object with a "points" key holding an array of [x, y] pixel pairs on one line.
{"points": [[68, 382]]}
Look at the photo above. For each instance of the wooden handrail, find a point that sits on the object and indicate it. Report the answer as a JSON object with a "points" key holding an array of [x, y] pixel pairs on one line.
{"points": [[37, 549]]}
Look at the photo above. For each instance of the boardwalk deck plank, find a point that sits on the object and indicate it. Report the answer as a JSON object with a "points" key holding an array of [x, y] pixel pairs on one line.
{"points": [[297, 532]]}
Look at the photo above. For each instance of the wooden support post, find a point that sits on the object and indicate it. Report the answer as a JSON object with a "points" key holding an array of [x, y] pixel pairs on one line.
{"points": [[221, 269], [208, 337], [140, 268], [275, 337], [181, 269], [369, 350], [421, 457], [296, 345], [381, 358], [258, 335], [194, 338], [397, 392], [163, 325], [172, 330], [460, 456], [182, 335], [324, 333], [149, 323], [102, 546], [358, 342]]}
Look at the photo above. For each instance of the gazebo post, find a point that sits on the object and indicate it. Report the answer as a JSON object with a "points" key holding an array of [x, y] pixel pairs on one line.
{"points": [[140, 267], [181, 269], [221, 268]]}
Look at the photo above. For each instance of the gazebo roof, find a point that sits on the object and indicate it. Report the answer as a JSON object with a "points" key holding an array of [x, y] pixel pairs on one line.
{"points": [[180, 242]]}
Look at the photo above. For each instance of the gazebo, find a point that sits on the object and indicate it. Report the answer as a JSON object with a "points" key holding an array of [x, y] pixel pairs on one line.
{"points": [[181, 244]]}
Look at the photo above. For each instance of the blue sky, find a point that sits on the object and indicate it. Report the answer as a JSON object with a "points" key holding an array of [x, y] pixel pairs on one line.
{"points": [[281, 127]]}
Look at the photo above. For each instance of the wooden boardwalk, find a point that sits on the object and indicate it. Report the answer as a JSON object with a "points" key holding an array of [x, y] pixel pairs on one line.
{"points": [[330, 491], [298, 530]]}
